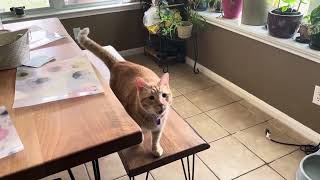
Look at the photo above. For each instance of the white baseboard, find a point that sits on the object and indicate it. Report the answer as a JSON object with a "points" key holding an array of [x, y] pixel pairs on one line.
{"points": [[130, 52], [275, 113]]}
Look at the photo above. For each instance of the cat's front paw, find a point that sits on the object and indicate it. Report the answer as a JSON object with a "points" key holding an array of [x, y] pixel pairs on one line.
{"points": [[157, 151]]}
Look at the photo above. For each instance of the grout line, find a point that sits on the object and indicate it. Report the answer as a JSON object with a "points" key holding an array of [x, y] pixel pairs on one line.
{"points": [[207, 167], [120, 177], [152, 174], [85, 165], [250, 150], [284, 155], [275, 171], [259, 123], [249, 171], [220, 138], [259, 156]]}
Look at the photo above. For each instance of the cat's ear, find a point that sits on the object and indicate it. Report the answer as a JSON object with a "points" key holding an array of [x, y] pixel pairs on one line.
{"points": [[140, 83], [164, 81]]}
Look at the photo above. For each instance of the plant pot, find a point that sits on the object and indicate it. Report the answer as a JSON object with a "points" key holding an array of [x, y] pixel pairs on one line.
{"points": [[231, 8], [202, 6], [315, 42], [283, 25], [254, 12], [185, 30]]}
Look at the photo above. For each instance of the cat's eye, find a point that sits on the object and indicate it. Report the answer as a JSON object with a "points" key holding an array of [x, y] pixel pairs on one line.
{"points": [[151, 97], [164, 95]]}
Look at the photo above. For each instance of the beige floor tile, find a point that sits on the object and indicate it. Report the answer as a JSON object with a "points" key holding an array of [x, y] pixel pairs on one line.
{"points": [[228, 158], [210, 98], [259, 114], [191, 82], [207, 128], [141, 59], [254, 138], [79, 172], [174, 171], [236, 116], [184, 107], [140, 177], [290, 132], [288, 165], [262, 173], [110, 167], [175, 92]]}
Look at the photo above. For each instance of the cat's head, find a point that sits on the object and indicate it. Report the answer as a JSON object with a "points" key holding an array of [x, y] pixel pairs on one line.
{"points": [[155, 98]]}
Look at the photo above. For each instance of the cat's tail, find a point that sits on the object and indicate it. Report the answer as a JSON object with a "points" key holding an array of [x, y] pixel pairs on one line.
{"points": [[95, 48]]}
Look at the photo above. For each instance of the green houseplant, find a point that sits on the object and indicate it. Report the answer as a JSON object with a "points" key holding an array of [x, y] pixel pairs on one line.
{"points": [[284, 21], [194, 21], [314, 29], [169, 21]]}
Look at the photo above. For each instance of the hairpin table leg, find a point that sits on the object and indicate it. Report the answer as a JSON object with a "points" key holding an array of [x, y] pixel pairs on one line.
{"points": [[190, 175], [96, 170], [71, 174], [147, 175]]}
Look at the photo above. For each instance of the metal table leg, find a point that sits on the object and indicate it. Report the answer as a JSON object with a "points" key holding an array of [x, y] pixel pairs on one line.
{"points": [[96, 170]]}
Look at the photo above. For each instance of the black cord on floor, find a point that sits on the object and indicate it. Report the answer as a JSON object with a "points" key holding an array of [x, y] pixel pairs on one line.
{"points": [[306, 148]]}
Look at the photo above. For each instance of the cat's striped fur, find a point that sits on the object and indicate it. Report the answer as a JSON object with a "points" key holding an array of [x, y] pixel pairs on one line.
{"points": [[145, 96]]}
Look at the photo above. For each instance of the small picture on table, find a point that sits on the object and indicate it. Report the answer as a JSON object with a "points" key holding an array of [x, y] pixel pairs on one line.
{"points": [[10, 142], [54, 81]]}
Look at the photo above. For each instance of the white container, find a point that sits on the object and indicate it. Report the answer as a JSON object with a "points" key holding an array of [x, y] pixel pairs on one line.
{"points": [[14, 48], [254, 12], [309, 168], [185, 30]]}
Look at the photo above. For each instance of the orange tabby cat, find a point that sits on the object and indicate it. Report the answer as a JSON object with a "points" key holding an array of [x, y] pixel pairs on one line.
{"points": [[145, 96]]}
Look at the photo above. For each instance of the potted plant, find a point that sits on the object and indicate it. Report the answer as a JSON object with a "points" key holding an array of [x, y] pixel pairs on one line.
{"points": [[215, 5], [169, 21], [185, 28], [284, 21], [254, 12], [231, 8], [314, 29]]}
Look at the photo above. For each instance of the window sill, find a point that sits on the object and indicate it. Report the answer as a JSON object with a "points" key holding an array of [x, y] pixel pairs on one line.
{"points": [[259, 33], [73, 13]]}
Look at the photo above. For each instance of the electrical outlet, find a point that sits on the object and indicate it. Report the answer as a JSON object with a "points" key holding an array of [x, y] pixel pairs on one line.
{"points": [[316, 96], [76, 32]]}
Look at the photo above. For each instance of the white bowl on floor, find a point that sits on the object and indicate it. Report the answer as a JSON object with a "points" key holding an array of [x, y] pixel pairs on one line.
{"points": [[309, 168]]}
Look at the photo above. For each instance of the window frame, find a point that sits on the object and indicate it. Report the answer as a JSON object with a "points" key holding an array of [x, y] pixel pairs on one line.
{"points": [[55, 6]]}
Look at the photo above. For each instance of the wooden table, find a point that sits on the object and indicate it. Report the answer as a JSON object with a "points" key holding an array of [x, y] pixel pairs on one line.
{"points": [[66, 133]]}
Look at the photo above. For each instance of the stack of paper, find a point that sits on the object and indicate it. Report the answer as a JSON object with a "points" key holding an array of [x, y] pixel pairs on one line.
{"points": [[10, 142], [39, 37]]}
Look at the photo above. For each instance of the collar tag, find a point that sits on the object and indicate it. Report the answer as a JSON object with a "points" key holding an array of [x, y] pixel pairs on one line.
{"points": [[158, 121]]}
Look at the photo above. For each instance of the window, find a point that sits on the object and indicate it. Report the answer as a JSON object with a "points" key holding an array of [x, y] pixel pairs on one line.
{"points": [[29, 4], [52, 4], [72, 2], [313, 4]]}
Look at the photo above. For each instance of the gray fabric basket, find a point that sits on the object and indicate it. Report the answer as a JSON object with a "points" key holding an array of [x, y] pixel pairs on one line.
{"points": [[14, 48]]}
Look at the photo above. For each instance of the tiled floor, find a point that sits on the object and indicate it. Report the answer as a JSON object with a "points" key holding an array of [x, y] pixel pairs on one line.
{"points": [[233, 127]]}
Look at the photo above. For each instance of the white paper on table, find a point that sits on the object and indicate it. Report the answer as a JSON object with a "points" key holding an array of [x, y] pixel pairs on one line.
{"points": [[37, 60], [10, 142], [40, 37], [55, 81]]}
